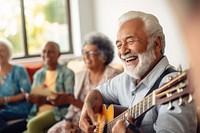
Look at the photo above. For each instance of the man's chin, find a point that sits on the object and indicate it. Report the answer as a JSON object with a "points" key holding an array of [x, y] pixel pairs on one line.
{"points": [[133, 75], [131, 72]]}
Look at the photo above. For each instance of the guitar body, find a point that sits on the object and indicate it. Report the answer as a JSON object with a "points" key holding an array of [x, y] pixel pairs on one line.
{"points": [[107, 115]]}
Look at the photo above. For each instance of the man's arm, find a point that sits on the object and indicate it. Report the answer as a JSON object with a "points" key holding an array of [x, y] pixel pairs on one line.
{"points": [[93, 103]]}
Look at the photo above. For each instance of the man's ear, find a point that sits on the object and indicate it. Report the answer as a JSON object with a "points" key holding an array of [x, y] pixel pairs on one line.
{"points": [[158, 46], [59, 54]]}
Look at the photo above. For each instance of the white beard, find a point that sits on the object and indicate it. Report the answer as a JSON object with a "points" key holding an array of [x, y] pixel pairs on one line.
{"points": [[145, 61]]}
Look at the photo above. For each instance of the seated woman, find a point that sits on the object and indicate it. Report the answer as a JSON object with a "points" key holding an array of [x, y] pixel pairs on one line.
{"points": [[97, 53], [14, 81], [51, 79]]}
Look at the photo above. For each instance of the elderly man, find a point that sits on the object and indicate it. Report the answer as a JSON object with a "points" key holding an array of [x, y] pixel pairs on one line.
{"points": [[52, 79], [141, 44]]}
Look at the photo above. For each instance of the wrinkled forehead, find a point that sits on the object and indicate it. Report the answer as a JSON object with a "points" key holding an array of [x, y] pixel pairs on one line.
{"points": [[134, 27]]}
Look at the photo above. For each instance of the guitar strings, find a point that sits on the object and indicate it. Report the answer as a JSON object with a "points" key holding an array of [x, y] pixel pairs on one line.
{"points": [[148, 100], [112, 122]]}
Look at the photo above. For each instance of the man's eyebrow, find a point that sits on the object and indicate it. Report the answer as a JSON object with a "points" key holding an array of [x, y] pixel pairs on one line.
{"points": [[117, 41], [128, 37], [131, 37]]}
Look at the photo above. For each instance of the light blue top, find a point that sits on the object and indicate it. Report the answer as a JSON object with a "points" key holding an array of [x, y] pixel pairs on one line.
{"points": [[16, 79], [159, 119], [64, 83]]}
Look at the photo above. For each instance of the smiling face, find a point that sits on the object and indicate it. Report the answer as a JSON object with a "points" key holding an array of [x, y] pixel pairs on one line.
{"points": [[4, 54], [91, 56], [132, 44], [50, 55]]}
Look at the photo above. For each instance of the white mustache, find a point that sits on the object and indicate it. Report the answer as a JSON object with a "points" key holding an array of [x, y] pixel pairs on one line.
{"points": [[129, 55]]}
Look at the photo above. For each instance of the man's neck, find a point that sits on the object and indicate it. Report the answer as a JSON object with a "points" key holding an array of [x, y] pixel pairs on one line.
{"points": [[51, 67]]}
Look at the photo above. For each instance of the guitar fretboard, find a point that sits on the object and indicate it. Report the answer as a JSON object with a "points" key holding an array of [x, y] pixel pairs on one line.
{"points": [[137, 110]]}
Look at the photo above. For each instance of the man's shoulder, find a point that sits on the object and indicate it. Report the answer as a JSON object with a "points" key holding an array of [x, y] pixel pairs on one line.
{"points": [[64, 69], [120, 78]]}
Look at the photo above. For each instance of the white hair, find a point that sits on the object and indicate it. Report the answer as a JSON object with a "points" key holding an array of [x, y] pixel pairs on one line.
{"points": [[152, 25], [8, 45]]}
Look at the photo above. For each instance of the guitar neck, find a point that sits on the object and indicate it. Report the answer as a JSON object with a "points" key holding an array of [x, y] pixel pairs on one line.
{"points": [[136, 111]]}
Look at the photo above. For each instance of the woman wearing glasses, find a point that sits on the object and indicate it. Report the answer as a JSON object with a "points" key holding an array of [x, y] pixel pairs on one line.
{"points": [[97, 53]]}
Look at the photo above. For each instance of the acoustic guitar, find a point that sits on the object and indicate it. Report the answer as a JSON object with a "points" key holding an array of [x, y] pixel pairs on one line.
{"points": [[175, 89]]}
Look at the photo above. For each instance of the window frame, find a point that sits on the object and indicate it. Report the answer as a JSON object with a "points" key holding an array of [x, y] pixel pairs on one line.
{"points": [[24, 33]]}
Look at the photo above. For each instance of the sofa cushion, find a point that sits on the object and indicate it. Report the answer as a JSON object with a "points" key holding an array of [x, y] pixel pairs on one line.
{"points": [[77, 65], [31, 70]]}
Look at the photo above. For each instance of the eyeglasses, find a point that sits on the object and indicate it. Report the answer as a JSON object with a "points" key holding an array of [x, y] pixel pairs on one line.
{"points": [[90, 53]]}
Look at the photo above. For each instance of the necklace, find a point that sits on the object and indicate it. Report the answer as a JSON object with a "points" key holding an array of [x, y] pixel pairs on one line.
{"points": [[2, 79]]}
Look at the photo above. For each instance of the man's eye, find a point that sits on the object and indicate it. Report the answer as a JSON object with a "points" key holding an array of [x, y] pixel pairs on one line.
{"points": [[118, 45], [130, 42]]}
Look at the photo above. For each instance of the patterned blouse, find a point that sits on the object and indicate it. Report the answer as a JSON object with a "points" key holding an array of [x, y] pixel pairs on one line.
{"points": [[16, 80]]}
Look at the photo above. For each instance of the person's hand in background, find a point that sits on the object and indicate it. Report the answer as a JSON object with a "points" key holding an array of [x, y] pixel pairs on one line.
{"points": [[36, 99], [59, 99]]}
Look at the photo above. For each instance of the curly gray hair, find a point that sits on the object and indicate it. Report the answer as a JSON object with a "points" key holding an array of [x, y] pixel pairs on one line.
{"points": [[103, 44]]}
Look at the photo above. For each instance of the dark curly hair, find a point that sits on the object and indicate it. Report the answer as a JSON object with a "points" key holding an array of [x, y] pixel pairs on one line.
{"points": [[103, 44]]}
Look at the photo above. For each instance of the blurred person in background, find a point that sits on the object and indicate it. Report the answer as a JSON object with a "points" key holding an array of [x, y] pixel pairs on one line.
{"points": [[97, 53], [14, 81], [188, 17], [187, 13], [51, 79]]}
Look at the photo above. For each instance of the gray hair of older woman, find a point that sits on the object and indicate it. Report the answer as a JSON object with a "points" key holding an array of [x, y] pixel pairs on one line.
{"points": [[8, 45], [103, 44]]}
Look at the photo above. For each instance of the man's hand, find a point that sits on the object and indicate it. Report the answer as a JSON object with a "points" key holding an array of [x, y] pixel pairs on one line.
{"points": [[87, 122], [59, 99], [93, 104], [36, 99], [126, 126], [119, 127]]}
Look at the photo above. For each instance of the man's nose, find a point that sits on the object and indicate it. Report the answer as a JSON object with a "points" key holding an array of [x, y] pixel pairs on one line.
{"points": [[124, 50]]}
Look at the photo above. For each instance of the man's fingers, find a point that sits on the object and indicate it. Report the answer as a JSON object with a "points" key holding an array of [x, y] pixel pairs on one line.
{"points": [[92, 117], [116, 129], [129, 118], [85, 126], [88, 121]]}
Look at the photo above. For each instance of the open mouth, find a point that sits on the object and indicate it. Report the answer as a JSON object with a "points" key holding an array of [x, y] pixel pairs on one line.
{"points": [[132, 58]]}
